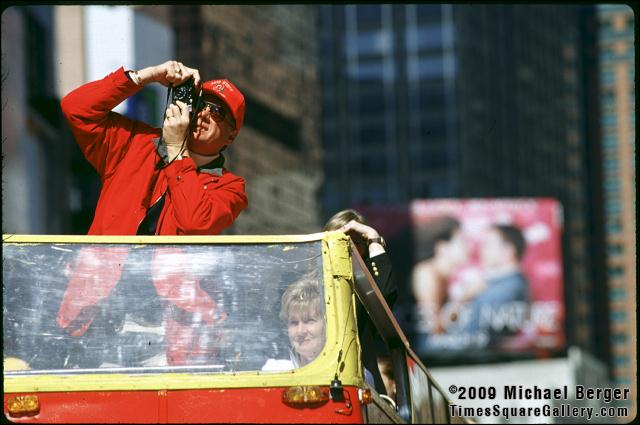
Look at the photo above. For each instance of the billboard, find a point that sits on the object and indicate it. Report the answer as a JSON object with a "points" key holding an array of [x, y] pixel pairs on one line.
{"points": [[480, 277]]}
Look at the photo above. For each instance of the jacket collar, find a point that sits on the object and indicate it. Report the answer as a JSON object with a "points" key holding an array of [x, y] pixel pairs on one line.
{"points": [[214, 167]]}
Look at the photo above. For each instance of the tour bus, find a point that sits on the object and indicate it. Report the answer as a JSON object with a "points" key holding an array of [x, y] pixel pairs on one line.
{"points": [[142, 329]]}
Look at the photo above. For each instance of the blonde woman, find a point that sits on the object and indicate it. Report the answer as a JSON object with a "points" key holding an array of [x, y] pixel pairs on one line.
{"points": [[302, 309]]}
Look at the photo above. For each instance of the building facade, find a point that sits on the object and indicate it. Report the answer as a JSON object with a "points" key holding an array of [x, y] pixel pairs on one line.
{"points": [[47, 51], [617, 89], [270, 53], [34, 157]]}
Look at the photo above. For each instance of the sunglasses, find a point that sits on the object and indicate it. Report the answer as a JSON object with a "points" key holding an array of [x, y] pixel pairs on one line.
{"points": [[217, 111]]}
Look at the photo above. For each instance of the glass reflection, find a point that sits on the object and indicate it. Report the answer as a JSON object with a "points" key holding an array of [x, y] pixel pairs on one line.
{"points": [[79, 307]]}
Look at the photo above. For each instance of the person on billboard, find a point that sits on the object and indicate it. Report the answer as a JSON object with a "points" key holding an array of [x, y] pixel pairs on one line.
{"points": [[372, 248], [155, 181], [441, 250], [501, 253], [499, 307]]}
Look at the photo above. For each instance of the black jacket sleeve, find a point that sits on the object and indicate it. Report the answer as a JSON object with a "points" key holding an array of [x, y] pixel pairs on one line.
{"points": [[381, 270]]}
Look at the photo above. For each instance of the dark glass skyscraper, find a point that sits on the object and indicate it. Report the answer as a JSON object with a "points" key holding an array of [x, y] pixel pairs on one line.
{"points": [[387, 104]]}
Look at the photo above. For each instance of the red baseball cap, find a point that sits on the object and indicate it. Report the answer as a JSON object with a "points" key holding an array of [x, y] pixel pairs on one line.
{"points": [[226, 91]]}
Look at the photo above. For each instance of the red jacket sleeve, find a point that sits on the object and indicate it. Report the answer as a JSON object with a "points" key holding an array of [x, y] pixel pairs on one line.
{"points": [[103, 135], [203, 209]]}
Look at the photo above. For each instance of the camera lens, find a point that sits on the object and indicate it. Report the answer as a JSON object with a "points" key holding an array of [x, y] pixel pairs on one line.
{"points": [[184, 93]]}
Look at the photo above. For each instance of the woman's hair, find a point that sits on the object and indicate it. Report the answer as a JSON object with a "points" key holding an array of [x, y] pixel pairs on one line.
{"points": [[302, 296], [429, 234], [342, 218]]}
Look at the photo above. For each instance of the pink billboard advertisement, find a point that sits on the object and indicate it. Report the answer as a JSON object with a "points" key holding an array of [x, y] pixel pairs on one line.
{"points": [[485, 274]]}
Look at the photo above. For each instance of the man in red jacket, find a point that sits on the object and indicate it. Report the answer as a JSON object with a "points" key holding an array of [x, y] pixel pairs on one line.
{"points": [[153, 185], [167, 181]]}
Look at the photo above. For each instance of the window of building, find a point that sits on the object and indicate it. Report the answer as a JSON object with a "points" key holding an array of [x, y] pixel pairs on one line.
{"points": [[608, 100], [368, 43], [369, 15], [607, 55], [374, 164], [618, 316], [622, 382], [615, 271], [428, 13], [613, 217], [629, 53], [612, 185], [609, 119], [371, 104], [440, 189], [614, 228], [619, 338], [611, 164], [621, 361], [432, 133], [271, 123], [610, 140], [371, 132], [431, 93], [607, 75], [369, 71], [433, 159], [617, 294], [613, 207], [612, 195], [615, 249], [40, 92], [425, 67], [424, 37]]}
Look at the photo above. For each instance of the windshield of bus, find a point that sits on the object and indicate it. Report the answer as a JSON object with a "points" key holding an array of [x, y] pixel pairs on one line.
{"points": [[100, 308]]}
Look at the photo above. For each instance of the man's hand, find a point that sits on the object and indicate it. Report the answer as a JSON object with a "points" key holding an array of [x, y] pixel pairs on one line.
{"points": [[175, 128], [170, 72]]}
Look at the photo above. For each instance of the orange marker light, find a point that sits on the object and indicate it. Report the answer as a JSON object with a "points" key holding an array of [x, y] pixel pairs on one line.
{"points": [[305, 395], [365, 395], [23, 405]]}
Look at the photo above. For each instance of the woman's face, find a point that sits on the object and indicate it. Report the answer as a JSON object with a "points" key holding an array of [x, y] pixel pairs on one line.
{"points": [[457, 250], [306, 333]]}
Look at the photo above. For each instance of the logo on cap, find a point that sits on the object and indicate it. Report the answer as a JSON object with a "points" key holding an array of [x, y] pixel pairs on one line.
{"points": [[230, 94]]}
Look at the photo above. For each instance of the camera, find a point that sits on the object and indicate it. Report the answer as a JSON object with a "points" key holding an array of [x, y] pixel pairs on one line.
{"points": [[186, 93]]}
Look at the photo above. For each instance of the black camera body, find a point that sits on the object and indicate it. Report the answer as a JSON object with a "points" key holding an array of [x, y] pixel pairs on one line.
{"points": [[186, 93]]}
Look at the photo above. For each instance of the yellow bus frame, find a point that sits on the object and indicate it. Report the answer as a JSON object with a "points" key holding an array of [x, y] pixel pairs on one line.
{"points": [[341, 326]]}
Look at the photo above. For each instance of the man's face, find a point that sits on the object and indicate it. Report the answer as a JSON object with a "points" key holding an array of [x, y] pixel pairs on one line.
{"points": [[214, 127], [306, 333]]}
